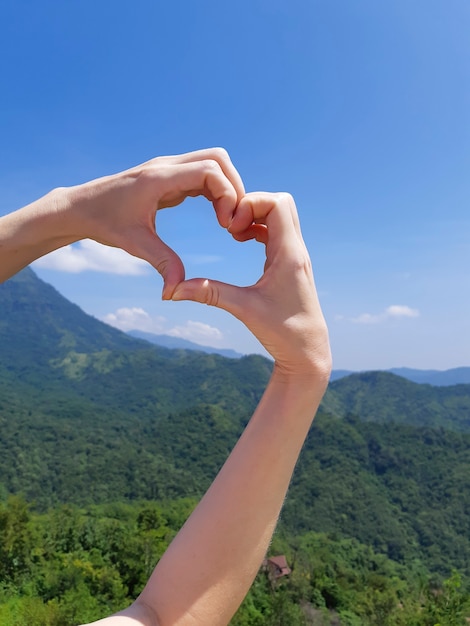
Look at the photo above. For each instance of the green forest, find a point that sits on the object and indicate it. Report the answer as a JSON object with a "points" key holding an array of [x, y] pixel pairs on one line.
{"points": [[108, 443], [73, 564]]}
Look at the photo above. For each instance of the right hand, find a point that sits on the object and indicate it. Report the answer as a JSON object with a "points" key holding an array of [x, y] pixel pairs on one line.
{"points": [[120, 210]]}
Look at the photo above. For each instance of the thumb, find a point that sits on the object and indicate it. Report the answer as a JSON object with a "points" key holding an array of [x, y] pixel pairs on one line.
{"points": [[212, 292]]}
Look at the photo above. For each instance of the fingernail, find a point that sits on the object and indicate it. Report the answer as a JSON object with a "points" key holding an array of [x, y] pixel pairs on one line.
{"points": [[176, 295], [166, 293]]}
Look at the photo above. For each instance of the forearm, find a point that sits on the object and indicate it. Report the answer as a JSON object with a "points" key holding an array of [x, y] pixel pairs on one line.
{"points": [[61, 217], [211, 564], [33, 231]]}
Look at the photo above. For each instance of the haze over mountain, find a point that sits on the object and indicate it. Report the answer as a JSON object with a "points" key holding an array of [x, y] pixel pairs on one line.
{"points": [[454, 376], [177, 343]]}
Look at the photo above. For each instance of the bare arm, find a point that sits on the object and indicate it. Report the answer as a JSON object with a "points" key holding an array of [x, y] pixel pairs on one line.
{"points": [[201, 579]]}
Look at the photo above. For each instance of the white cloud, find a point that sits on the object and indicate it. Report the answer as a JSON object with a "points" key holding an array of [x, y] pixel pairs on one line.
{"points": [[394, 311], [401, 310], [88, 255], [198, 332], [135, 318]]}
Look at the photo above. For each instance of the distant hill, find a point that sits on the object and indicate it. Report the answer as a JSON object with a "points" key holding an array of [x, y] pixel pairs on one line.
{"points": [[386, 397], [48, 343], [176, 343], [337, 374], [455, 376], [38, 324], [438, 378]]}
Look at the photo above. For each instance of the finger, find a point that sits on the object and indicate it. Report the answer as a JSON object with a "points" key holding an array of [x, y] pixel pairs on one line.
{"points": [[151, 248], [199, 178], [254, 231], [213, 293], [242, 217], [221, 156], [276, 211]]}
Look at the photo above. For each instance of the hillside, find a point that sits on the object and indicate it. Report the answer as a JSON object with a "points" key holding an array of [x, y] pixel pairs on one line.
{"points": [[386, 397], [401, 489], [50, 344], [89, 415], [38, 324]]}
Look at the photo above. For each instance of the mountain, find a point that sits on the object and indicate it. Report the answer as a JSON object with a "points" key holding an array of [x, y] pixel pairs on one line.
{"points": [[176, 343], [38, 324], [386, 397], [337, 374], [90, 415], [78, 396], [455, 376], [402, 489], [49, 343]]}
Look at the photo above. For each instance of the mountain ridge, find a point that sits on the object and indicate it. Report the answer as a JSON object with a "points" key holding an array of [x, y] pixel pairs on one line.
{"points": [[437, 378], [50, 343], [177, 343], [386, 397], [73, 329]]}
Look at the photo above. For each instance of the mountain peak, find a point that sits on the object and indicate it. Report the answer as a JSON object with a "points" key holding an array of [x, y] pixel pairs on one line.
{"points": [[37, 323]]}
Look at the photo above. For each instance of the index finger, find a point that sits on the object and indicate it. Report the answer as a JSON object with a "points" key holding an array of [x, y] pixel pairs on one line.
{"points": [[178, 181], [221, 156]]}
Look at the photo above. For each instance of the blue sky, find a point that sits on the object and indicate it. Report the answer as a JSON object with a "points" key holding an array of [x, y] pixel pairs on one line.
{"points": [[359, 109]]}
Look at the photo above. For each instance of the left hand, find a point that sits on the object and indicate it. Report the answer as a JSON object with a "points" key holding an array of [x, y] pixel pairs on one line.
{"points": [[282, 308]]}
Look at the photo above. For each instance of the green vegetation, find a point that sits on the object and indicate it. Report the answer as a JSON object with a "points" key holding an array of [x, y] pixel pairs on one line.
{"points": [[73, 565], [107, 443], [384, 397]]}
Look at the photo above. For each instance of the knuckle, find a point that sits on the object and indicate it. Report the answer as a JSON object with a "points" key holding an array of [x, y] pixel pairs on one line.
{"points": [[211, 166], [162, 265], [283, 197], [220, 154], [212, 295], [301, 264]]}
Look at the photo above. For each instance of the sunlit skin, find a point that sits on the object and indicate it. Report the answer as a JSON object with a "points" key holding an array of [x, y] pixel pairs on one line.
{"points": [[198, 580]]}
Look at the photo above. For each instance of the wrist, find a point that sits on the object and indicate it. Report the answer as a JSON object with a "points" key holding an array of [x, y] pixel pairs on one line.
{"points": [[76, 207], [310, 366], [302, 389], [87, 206], [313, 377]]}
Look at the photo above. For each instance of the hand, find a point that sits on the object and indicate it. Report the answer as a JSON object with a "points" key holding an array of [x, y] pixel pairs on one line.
{"points": [[120, 210], [282, 308]]}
